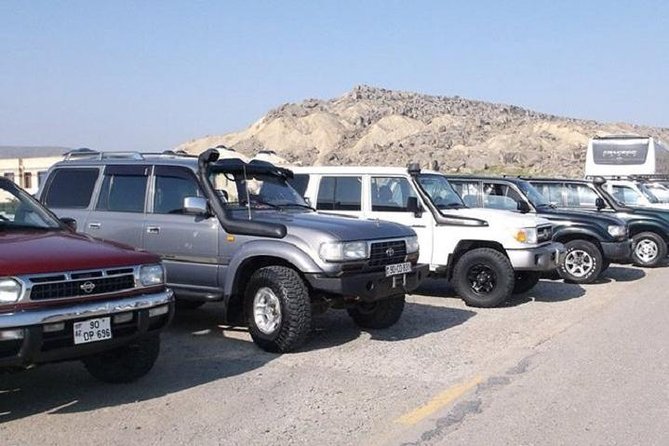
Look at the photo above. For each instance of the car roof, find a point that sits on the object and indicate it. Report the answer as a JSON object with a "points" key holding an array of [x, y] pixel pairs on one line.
{"points": [[352, 170]]}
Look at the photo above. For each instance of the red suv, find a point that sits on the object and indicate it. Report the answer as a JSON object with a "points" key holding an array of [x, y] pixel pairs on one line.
{"points": [[66, 296]]}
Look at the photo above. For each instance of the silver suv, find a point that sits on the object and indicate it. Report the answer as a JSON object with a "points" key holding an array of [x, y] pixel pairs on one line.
{"points": [[237, 232]]}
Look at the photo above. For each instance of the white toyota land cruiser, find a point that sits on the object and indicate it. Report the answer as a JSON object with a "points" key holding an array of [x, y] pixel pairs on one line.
{"points": [[486, 254]]}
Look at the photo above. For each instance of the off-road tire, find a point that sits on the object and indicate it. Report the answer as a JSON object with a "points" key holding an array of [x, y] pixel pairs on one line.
{"points": [[295, 305], [655, 243], [586, 250], [380, 314], [525, 281], [490, 261], [124, 364]]}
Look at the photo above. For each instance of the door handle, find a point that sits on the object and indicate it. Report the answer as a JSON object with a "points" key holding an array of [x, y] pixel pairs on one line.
{"points": [[94, 225], [153, 229]]}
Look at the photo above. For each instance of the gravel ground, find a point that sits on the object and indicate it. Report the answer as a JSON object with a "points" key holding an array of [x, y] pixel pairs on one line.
{"points": [[212, 386]]}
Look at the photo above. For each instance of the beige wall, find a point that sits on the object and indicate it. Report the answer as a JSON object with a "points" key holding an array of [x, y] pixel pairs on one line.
{"points": [[19, 167]]}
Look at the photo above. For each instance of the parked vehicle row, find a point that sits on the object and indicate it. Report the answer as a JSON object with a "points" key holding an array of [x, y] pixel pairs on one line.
{"points": [[274, 246]]}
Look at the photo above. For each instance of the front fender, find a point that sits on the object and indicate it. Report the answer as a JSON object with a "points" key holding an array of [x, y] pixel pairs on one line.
{"points": [[287, 252], [568, 231]]}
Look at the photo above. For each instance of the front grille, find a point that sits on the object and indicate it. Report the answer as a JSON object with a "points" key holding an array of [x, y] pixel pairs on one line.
{"points": [[544, 234], [82, 284], [387, 253]]}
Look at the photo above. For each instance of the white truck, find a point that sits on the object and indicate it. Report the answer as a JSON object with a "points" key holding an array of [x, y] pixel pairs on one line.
{"points": [[635, 168], [487, 255]]}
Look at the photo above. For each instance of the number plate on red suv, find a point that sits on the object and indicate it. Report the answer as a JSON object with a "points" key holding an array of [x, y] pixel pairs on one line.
{"points": [[92, 330]]}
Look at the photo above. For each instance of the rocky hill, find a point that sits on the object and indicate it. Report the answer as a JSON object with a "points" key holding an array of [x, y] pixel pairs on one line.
{"points": [[376, 126]]}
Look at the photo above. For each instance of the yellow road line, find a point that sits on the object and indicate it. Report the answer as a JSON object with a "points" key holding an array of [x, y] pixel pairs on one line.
{"points": [[443, 399]]}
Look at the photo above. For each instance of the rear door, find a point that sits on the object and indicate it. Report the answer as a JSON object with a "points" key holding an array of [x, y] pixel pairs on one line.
{"points": [[188, 244], [118, 214]]}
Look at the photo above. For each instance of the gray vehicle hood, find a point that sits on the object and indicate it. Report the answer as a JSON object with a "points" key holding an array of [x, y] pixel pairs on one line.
{"points": [[300, 223]]}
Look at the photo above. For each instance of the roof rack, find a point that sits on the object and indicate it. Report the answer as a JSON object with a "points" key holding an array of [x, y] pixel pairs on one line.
{"points": [[90, 154], [622, 136]]}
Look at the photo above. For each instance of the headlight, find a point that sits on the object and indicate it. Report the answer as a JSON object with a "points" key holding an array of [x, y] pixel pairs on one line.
{"points": [[526, 235], [412, 244], [150, 275], [342, 251], [10, 291], [617, 230]]}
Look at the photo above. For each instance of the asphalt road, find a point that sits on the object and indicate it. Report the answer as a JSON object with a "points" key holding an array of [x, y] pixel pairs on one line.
{"points": [[562, 364]]}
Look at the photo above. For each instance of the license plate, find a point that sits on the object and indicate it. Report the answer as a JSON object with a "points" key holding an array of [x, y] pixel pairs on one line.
{"points": [[92, 330], [399, 268]]}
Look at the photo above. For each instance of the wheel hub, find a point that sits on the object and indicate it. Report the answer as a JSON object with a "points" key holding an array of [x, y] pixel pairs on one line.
{"points": [[646, 250], [266, 310], [579, 263], [482, 279]]}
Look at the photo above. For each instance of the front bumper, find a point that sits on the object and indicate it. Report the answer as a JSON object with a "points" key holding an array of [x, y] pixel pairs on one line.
{"points": [[35, 345], [542, 258], [617, 251], [370, 286]]}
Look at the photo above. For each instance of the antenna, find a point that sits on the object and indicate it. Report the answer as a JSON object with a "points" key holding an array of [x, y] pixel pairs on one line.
{"points": [[248, 196]]}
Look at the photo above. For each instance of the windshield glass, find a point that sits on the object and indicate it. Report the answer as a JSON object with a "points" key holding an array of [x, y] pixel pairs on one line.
{"points": [[18, 210], [658, 193], [261, 190], [533, 195], [440, 191]]}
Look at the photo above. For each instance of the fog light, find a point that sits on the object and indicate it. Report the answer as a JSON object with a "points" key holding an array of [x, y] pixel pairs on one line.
{"points": [[11, 335], [50, 328], [158, 311], [122, 318]]}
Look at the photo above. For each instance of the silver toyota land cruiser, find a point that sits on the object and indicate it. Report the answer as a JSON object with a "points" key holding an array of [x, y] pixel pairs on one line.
{"points": [[238, 233]]}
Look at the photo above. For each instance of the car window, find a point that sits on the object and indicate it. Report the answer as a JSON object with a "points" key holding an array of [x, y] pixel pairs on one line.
{"points": [[580, 195], [123, 189], [299, 182], [468, 191], [171, 188], [18, 210], [551, 191], [500, 196], [71, 188], [391, 194], [626, 195], [340, 193]]}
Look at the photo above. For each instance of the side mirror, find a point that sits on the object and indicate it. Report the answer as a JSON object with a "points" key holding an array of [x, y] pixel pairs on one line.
{"points": [[414, 206], [599, 203], [71, 223], [195, 205], [523, 207]]}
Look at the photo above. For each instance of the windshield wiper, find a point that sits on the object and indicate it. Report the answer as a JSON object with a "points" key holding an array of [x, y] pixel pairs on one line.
{"points": [[297, 205], [452, 206]]}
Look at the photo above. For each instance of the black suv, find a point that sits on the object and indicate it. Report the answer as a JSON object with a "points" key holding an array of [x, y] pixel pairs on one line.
{"points": [[592, 241], [649, 227]]}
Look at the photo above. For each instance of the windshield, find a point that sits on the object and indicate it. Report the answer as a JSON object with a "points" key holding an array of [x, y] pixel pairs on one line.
{"points": [[440, 191], [659, 193], [18, 210], [261, 190], [533, 195]]}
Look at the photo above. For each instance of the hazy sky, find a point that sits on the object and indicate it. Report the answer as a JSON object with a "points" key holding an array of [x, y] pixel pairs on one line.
{"points": [[152, 74]]}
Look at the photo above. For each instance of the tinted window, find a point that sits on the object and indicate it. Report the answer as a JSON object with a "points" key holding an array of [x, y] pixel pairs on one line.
{"points": [[626, 195], [390, 194], [299, 183], [340, 193], [71, 188], [122, 193], [28, 180], [171, 191]]}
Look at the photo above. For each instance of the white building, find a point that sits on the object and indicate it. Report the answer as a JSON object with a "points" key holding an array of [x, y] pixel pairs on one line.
{"points": [[27, 166]]}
